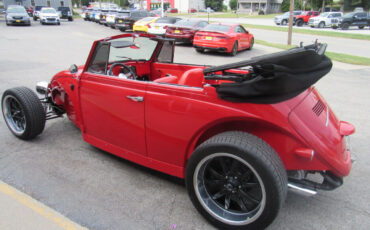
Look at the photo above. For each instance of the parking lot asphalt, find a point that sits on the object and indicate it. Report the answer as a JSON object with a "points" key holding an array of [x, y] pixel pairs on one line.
{"points": [[101, 191]]}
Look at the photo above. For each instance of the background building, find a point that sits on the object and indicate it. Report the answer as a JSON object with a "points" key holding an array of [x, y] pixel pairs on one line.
{"points": [[267, 6], [181, 5], [52, 3]]}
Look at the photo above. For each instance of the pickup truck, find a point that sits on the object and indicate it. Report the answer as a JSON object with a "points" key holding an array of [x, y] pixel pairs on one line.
{"points": [[304, 17], [359, 19], [326, 19]]}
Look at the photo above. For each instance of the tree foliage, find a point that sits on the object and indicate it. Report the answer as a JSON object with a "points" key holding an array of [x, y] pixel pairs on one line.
{"points": [[286, 4], [216, 5], [233, 4]]}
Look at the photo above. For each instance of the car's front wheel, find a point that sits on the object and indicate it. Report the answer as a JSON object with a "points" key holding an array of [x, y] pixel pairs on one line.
{"points": [[300, 23], [284, 22], [251, 44], [236, 181], [23, 112], [122, 29], [321, 24]]}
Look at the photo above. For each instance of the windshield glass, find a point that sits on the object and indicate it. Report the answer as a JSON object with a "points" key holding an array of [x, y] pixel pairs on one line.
{"points": [[216, 27], [286, 14], [324, 15], [144, 50], [349, 15], [48, 11], [186, 23], [16, 10], [296, 12], [63, 8], [166, 20]]}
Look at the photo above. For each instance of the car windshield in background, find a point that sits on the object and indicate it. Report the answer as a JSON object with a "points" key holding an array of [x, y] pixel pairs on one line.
{"points": [[186, 23], [166, 20], [218, 28], [16, 10], [148, 19], [63, 8], [124, 13], [349, 15], [143, 51], [297, 13], [48, 11], [38, 8]]}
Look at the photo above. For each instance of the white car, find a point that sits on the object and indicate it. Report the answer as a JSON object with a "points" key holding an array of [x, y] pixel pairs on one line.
{"points": [[111, 18], [324, 19], [160, 26], [49, 15]]}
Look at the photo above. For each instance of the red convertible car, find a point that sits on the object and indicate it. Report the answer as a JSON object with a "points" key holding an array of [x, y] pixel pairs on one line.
{"points": [[240, 134], [229, 38]]}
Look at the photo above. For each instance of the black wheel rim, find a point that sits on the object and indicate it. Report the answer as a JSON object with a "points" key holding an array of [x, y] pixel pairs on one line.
{"points": [[235, 49], [14, 115], [229, 189]]}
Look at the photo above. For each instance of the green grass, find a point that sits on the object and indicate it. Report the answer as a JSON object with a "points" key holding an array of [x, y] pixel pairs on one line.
{"points": [[345, 58], [312, 32]]}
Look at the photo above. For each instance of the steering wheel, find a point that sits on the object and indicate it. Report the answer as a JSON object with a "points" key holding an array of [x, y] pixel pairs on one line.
{"points": [[127, 71]]}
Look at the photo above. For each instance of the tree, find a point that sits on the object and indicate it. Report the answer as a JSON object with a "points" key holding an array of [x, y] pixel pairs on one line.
{"points": [[216, 5], [233, 4], [286, 4]]}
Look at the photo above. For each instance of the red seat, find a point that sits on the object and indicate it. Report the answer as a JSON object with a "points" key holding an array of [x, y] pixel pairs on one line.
{"points": [[168, 79], [192, 77]]}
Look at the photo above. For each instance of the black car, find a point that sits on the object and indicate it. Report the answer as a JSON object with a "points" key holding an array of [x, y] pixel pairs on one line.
{"points": [[359, 19], [125, 19], [65, 13], [17, 15]]}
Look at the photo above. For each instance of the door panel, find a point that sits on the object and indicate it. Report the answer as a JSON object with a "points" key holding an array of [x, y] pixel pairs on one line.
{"points": [[108, 115]]}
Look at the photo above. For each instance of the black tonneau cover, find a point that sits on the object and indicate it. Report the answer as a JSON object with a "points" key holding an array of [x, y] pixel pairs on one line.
{"points": [[275, 77]]}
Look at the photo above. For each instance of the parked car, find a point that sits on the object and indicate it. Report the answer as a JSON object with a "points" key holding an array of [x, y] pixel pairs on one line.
{"points": [[65, 13], [173, 10], [17, 15], [87, 14], [284, 18], [184, 30], [192, 10], [161, 25], [304, 17], [143, 24], [125, 20], [240, 134], [2, 11], [95, 16], [324, 19], [111, 17], [359, 19], [29, 11], [49, 15], [36, 12], [155, 13], [222, 37], [103, 16]]}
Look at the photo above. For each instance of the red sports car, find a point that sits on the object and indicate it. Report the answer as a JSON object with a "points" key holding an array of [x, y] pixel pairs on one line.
{"points": [[184, 30], [229, 38], [240, 134]]}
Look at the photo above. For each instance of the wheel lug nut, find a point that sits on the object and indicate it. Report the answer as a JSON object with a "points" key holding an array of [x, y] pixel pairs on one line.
{"points": [[235, 177], [226, 177], [240, 186]]}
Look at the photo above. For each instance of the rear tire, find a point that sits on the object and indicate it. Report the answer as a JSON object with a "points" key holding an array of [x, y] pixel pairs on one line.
{"points": [[199, 50], [251, 44], [34, 18], [234, 51], [300, 23], [122, 29], [236, 181], [23, 112]]}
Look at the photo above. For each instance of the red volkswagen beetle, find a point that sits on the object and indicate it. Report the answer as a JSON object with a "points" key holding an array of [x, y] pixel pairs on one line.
{"points": [[240, 134], [229, 38]]}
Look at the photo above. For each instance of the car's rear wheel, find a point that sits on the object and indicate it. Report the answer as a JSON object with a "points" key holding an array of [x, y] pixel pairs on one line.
{"points": [[251, 44], [236, 181], [199, 50], [345, 26], [234, 50], [122, 29], [23, 112], [300, 23], [321, 24]]}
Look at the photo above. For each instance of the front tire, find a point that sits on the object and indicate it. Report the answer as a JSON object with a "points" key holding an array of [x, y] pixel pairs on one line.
{"points": [[345, 26], [23, 112], [251, 44], [284, 22], [122, 29], [361, 27], [236, 181], [300, 23], [321, 24]]}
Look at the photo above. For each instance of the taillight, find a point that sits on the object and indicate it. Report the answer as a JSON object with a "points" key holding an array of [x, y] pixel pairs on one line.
{"points": [[148, 26], [165, 27]]}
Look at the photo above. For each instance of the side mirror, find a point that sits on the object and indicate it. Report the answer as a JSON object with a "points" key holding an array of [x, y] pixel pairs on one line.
{"points": [[73, 68]]}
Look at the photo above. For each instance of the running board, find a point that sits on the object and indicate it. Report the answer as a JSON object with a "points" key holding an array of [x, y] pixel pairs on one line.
{"points": [[301, 190]]}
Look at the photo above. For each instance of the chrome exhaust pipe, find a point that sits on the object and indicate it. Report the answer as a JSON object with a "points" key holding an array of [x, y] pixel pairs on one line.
{"points": [[301, 190]]}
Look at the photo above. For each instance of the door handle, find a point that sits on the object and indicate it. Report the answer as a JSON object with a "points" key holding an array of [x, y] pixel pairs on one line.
{"points": [[136, 98]]}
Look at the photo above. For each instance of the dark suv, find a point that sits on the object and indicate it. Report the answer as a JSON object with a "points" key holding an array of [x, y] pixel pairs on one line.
{"points": [[65, 13], [126, 19], [360, 19]]}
